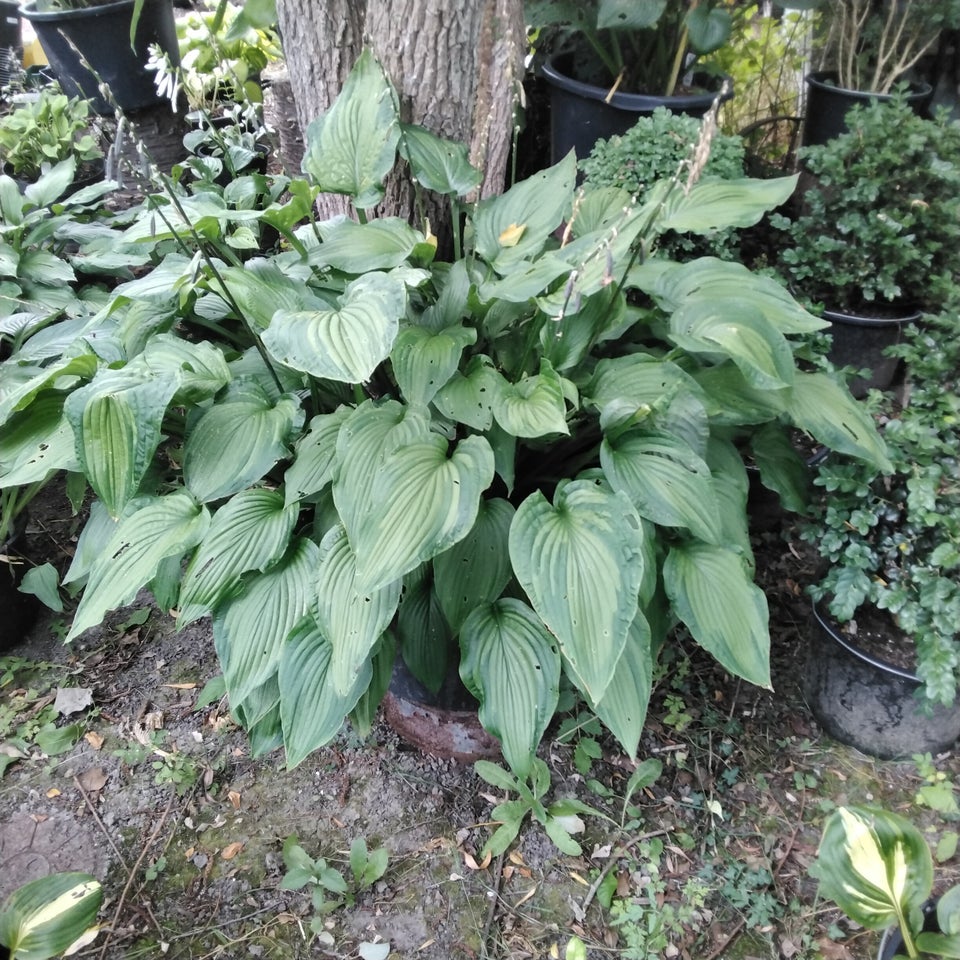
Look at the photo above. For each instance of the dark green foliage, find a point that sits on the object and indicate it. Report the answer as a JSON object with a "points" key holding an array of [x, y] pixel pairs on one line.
{"points": [[883, 225], [654, 149]]}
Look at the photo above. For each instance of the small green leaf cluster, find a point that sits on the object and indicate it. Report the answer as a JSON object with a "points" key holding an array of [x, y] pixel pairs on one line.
{"points": [[655, 148], [876, 866], [40, 133], [323, 880], [893, 538], [881, 227]]}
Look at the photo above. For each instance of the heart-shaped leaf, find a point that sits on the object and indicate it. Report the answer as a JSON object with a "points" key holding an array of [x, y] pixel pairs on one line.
{"points": [[438, 164], [423, 361], [532, 407]]}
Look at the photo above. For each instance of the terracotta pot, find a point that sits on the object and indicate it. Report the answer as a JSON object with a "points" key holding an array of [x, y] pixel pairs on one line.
{"points": [[443, 725], [869, 704]]}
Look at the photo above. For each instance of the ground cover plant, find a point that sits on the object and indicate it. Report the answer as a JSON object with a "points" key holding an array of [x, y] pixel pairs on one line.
{"points": [[496, 462]]}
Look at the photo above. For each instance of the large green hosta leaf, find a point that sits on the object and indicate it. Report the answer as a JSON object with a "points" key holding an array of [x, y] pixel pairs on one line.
{"points": [[724, 610], [665, 480], [819, 405], [352, 147], [237, 441], [515, 226], [350, 618], [200, 368], [361, 247], [260, 288], [425, 639], [623, 707], [250, 630], [511, 664], [580, 562], [875, 865], [314, 456], [116, 420], [424, 361], [417, 502], [347, 343], [19, 385], [468, 397], [781, 468], [475, 570], [532, 407], [249, 532], [437, 164], [311, 709], [36, 443], [639, 378], [164, 527], [713, 204]]}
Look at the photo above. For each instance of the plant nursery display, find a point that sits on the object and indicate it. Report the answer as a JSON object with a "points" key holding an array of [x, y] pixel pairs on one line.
{"points": [[39, 133], [876, 866], [612, 61], [892, 544], [497, 465], [878, 237], [867, 48]]}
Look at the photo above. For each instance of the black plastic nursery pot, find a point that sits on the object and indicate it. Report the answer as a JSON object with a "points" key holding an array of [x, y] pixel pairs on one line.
{"points": [[892, 942], [869, 704], [100, 36], [18, 611], [860, 341], [828, 105], [580, 114]]}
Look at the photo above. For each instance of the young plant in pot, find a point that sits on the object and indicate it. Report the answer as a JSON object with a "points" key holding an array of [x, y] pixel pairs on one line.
{"points": [[39, 133], [876, 866], [867, 48], [878, 237], [891, 543], [610, 61], [496, 462]]}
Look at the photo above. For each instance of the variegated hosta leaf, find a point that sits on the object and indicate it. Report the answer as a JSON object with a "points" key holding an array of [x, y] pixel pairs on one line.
{"points": [[580, 562], [237, 441], [724, 610], [664, 479], [468, 397], [875, 865], [116, 420], [315, 456], [249, 631], [36, 443], [164, 527], [423, 361], [249, 532], [311, 710], [534, 406], [514, 227], [347, 343], [418, 502], [736, 330], [819, 405], [623, 707], [352, 147], [350, 618], [511, 664], [475, 570], [425, 639]]}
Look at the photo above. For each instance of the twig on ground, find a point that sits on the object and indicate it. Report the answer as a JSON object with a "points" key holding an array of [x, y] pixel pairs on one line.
{"points": [[492, 909]]}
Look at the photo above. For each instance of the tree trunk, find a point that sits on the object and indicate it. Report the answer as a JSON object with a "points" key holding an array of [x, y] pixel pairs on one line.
{"points": [[457, 72]]}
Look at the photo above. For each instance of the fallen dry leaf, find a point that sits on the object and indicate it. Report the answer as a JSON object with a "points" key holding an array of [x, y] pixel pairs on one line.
{"points": [[526, 896], [516, 858], [231, 850], [94, 739], [53, 792], [180, 686], [72, 700], [234, 799], [93, 780]]}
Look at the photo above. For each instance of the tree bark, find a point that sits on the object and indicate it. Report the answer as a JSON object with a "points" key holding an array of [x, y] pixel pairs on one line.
{"points": [[457, 68]]}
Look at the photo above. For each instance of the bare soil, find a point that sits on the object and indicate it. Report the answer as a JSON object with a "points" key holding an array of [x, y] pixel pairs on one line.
{"points": [[161, 800]]}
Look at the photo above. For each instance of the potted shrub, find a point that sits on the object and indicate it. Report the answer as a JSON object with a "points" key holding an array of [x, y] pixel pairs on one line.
{"points": [[41, 132], [494, 463], [891, 541], [612, 61], [867, 49], [876, 866], [654, 149], [89, 42], [879, 235]]}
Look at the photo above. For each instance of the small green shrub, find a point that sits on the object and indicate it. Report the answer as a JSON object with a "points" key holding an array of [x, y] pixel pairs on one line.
{"points": [[654, 149]]}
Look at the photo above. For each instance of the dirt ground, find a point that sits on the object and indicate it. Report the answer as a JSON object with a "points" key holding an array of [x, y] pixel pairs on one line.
{"points": [[160, 799]]}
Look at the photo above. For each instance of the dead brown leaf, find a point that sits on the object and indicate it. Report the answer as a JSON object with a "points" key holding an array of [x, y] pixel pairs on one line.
{"points": [[94, 739], [234, 799], [93, 780], [52, 793], [231, 850], [180, 686]]}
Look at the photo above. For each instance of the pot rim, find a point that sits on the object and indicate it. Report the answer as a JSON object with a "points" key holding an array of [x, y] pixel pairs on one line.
{"points": [[863, 320], [634, 102], [829, 626], [820, 78], [29, 12]]}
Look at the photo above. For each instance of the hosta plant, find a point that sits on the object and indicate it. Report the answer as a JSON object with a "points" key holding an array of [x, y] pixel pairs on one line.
{"points": [[876, 866], [494, 464]]}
